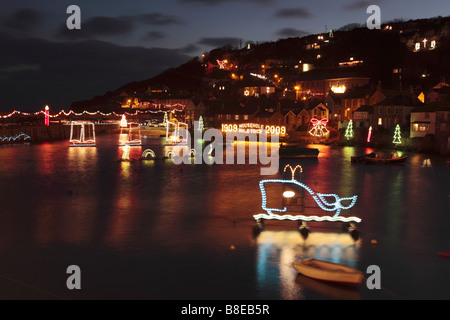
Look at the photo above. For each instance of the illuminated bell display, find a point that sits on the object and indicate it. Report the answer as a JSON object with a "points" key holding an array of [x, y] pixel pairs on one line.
{"points": [[319, 128]]}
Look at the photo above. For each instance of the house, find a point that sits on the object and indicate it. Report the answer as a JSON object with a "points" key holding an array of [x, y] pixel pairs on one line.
{"points": [[318, 83], [394, 110], [432, 119], [318, 111], [333, 102], [270, 117], [290, 119], [194, 110], [233, 112], [363, 116], [440, 92], [253, 86], [303, 118]]}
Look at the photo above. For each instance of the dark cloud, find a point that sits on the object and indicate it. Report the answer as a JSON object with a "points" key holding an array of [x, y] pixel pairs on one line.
{"points": [[153, 35], [190, 48], [157, 18], [25, 20], [360, 4], [220, 42], [117, 26], [293, 13], [98, 27], [35, 72], [291, 33], [218, 2]]}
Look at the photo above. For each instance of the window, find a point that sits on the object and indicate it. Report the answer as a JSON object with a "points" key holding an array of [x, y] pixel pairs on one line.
{"points": [[228, 116], [236, 117], [380, 121], [420, 127], [219, 117], [427, 115], [245, 116]]}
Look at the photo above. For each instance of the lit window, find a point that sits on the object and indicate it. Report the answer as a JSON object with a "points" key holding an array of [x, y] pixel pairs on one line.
{"points": [[236, 117], [245, 116], [380, 121]]}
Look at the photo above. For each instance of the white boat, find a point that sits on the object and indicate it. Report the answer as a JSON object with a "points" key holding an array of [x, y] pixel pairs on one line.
{"points": [[328, 271]]}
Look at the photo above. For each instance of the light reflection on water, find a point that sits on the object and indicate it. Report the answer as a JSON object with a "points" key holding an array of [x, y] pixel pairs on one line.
{"points": [[77, 205], [286, 247]]}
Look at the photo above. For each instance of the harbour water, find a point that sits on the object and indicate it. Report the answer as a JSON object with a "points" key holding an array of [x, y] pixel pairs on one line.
{"points": [[156, 230]]}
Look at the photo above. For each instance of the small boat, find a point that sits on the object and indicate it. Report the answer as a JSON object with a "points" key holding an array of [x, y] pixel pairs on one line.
{"points": [[359, 159], [383, 159], [294, 151], [380, 158], [328, 271]]}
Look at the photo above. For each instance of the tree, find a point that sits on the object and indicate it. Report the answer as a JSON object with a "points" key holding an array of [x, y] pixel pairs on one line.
{"points": [[397, 136], [200, 124], [349, 131]]}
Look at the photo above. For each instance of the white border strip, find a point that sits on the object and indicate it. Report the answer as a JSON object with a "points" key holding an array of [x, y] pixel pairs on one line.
{"points": [[305, 218]]}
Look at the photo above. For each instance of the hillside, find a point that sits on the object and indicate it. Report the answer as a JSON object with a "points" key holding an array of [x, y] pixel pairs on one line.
{"points": [[389, 55]]}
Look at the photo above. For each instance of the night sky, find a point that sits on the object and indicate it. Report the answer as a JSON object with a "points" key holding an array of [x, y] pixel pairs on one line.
{"points": [[42, 62]]}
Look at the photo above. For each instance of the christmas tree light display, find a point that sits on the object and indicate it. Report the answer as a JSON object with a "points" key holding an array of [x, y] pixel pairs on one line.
{"points": [[397, 136], [200, 124], [319, 127], [349, 131]]}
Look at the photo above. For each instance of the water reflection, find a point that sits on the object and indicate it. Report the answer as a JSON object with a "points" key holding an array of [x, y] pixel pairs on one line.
{"points": [[276, 250]]}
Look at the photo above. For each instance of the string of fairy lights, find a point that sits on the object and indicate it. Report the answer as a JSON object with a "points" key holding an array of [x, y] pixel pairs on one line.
{"points": [[83, 113]]}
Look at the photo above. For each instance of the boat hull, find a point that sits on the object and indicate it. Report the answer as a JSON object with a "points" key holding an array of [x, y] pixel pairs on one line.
{"points": [[373, 160], [297, 152], [328, 271]]}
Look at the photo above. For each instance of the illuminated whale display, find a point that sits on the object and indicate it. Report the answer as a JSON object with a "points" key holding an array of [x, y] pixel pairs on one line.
{"points": [[326, 202]]}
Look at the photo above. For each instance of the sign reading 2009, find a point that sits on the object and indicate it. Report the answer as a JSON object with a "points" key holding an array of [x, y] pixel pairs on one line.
{"points": [[254, 128]]}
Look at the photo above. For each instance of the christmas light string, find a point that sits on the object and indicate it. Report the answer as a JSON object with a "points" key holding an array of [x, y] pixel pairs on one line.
{"points": [[71, 112]]}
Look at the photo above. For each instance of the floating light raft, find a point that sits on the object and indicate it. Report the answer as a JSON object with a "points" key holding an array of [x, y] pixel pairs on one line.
{"points": [[16, 137], [86, 137]]}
